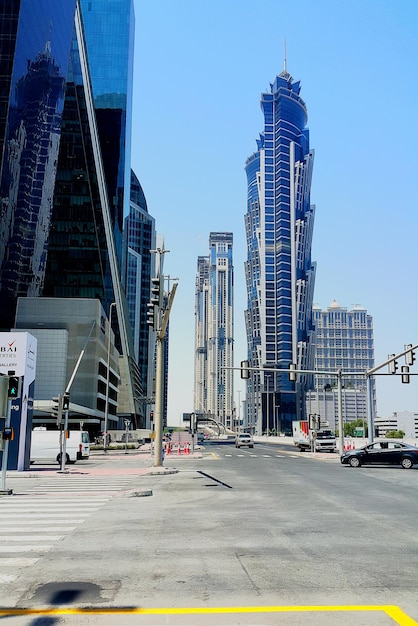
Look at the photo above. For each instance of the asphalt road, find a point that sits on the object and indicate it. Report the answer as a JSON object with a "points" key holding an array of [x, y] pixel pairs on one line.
{"points": [[251, 536]]}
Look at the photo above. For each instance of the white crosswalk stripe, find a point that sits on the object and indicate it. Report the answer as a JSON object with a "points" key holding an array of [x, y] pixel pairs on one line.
{"points": [[82, 485], [32, 522]]}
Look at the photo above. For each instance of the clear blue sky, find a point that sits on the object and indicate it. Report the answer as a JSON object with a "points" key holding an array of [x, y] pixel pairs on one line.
{"points": [[200, 67]]}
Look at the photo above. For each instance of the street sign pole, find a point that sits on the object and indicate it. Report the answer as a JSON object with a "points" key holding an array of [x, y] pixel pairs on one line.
{"points": [[64, 444]]}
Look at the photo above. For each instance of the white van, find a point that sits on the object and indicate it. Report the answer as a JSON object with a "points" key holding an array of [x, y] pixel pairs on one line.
{"points": [[45, 445]]}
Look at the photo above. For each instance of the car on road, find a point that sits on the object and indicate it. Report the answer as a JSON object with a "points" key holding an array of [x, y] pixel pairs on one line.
{"points": [[382, 453], [244, 439]]}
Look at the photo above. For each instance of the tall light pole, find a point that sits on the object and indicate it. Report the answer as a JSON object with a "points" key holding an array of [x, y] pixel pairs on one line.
{"points": [[107, 377], [239, 410], [268, 378]]}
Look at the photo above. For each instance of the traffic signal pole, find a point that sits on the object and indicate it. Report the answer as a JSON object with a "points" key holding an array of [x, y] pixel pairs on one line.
{"points": [[14, 388], [5, 455], [391, 361], [159, 380], [293, 371]]}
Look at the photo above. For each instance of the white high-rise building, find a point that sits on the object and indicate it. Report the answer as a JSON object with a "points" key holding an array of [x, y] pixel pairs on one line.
{"points": [[344, 341], [214, 331]]}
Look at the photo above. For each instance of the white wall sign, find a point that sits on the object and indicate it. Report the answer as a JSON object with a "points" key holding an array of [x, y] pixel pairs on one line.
{"points": [[18, 355]]}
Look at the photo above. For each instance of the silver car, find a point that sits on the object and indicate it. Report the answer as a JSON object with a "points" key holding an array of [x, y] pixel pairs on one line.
{"points": [[244, 439]]}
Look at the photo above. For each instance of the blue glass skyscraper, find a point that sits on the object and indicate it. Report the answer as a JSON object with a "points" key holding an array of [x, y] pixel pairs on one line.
{"points": [[34, 63], [65, 171], [109, 33], [139, 239], [279, 272]]}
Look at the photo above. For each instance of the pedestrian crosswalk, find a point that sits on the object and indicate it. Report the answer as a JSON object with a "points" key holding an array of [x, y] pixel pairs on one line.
{"points": [[32, 522], [68, 483], [255, 456], [31, 525]]}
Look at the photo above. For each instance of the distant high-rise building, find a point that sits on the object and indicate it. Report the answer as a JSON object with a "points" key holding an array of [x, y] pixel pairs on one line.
{"points": [[344, 341], [214, 331], [279, 272]]}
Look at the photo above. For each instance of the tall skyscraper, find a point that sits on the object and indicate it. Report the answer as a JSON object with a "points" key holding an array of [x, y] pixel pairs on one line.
{"points": [[65, 177], [279, 272], [214, 331], [140, 238], [344, 341], [35, 48]]}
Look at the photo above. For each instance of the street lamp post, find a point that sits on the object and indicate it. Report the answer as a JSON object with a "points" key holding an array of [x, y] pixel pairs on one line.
{"points": [[268, 378], [239, 410], [107, 377]]}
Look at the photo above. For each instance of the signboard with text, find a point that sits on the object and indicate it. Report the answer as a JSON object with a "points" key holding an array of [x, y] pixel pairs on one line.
{"points": [[18, 355]]}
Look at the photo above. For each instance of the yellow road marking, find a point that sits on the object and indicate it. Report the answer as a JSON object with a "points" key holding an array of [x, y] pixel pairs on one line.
{"points": [[395, 612], [215, 456]]}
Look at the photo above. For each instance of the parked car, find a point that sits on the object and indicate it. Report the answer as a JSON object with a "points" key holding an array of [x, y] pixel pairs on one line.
{"points": [[244, 439], [382, 453]]}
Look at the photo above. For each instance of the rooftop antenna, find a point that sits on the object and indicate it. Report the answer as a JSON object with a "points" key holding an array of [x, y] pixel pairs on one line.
{"points": [[284, 59]]}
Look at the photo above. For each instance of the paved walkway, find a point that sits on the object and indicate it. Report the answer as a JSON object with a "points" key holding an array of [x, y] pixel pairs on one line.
{"points": [[134, 462]]}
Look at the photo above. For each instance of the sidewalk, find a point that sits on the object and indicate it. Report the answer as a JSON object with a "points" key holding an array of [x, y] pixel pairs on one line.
{"points": [[135, 461]]}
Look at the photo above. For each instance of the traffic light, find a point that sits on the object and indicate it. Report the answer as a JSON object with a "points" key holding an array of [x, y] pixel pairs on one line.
{"points": [[65, 401], [410, 356], [314, 421], [152, 315], [157, 291], [13, 390], [405, 373], [245, 372], [393, 364], [292, 372], [57, 408]]}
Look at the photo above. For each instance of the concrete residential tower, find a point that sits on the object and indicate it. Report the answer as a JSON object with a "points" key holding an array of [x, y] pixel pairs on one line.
{"points": [[344, 341], [214, 331]]}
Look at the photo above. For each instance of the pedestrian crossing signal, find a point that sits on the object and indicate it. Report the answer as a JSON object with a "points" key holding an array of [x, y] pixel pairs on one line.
{"points": [[13, 391]]}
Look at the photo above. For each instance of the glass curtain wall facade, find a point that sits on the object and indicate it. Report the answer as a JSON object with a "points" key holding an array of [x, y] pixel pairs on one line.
{"points": [[214, 341], [35, 41], [279, 272], [66, 153], [109, 34], [140, 237], [83, 230]]}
